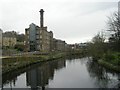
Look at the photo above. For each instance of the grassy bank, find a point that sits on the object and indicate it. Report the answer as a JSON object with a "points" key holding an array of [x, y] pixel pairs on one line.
{"points": [[111, 61], [109, 66], [15, 63]]}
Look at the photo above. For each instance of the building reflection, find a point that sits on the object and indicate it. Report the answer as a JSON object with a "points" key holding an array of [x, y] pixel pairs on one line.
{"points": [[39, 77], [10, 77]]}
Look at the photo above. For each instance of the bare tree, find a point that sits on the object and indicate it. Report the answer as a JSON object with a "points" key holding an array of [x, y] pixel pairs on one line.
{"points": [[114, 28]]}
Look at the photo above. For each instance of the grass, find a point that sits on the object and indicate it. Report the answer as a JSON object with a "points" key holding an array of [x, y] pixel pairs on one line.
{"points": [[15, 63], [109, 66], [111, 60]]}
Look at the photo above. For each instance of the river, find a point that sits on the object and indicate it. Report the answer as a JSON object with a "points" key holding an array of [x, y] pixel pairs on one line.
{"points": [[63, 73]]}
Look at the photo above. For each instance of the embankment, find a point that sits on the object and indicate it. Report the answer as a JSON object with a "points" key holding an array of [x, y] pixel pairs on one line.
{"points": [[15, 63], [109, 65]]}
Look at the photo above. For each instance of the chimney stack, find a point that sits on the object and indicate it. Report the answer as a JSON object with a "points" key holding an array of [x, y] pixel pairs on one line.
{"points": [[41, 18]]}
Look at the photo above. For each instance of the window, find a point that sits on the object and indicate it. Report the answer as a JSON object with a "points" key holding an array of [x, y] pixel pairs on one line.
{"points": [[40, 36], [37, 32], [27, 32], [40, 31], [37, 36]]}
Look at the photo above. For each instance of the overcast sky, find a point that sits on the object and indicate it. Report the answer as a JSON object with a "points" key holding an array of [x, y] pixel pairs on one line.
{"points": [[74, 21]]}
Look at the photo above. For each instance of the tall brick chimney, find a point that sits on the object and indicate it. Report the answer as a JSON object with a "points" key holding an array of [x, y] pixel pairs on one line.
{"points": [[41, 18]]}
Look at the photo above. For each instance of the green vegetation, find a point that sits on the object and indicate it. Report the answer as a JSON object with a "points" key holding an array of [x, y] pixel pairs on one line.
{"points": [[107, 52], [111, 61], [113, 58], [15, 63], [9, 52], [96, 48], [19, 47]]}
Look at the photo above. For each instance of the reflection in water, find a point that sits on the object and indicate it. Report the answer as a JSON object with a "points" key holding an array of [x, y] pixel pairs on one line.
{"points": [[103, 77], [40, 76], [37, 76]]}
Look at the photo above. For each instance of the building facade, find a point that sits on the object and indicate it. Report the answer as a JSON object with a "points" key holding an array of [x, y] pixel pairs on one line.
{"points": [[31, 37], [45, 39], [7, 41], [38, 38], [58, 45]]}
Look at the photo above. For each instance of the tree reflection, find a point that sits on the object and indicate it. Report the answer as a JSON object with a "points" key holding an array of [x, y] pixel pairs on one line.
{"points": [[38, 76], [11, 77], [102, 77]]}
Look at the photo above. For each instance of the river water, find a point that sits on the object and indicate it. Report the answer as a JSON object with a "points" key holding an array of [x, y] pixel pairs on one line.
{"points": [[63, 73]]}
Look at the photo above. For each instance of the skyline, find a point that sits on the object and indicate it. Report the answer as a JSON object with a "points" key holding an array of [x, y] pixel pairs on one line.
{"points": [[73, 22]]}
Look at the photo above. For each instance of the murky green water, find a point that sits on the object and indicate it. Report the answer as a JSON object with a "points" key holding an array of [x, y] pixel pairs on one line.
{"points": [[64, 73]]}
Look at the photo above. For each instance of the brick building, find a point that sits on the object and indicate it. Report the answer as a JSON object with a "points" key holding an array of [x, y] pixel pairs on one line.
{"points": [[38, 38], [8, 40]]}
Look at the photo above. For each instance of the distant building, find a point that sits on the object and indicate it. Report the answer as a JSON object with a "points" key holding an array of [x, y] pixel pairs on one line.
{"points": [[31, 33], [7, 40], [67, 48], [45, 39], [59, 45], [74, 46], [82, 45], [38, 38]]}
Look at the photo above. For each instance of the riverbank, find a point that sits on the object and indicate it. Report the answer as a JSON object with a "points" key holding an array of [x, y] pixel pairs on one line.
{"points": [[10, 64], [70, 70], [111, 61], [109, 65]]}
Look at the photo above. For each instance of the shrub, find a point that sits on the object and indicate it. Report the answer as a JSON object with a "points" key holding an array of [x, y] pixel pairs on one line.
{"points": [[109, 57], [20, 47]]}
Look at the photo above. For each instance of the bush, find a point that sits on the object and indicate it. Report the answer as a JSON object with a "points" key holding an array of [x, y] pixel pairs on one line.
{"points": [[20, 47], [109, 57]]}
